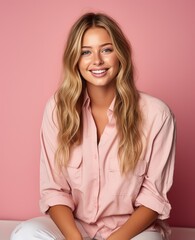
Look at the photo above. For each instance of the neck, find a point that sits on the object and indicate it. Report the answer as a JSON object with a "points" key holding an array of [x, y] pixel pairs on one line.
{"points": [[101, 97]]}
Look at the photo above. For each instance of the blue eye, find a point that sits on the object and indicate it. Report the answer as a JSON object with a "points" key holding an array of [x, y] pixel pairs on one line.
{"points": [[107, 50], [86, 52]]}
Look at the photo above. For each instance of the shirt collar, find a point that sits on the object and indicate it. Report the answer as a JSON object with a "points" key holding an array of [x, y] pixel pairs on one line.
{"points": [[111, 107], [86, 99]]}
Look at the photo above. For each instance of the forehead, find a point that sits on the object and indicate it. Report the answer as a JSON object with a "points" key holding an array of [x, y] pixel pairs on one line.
{"points": [[96, 36]]}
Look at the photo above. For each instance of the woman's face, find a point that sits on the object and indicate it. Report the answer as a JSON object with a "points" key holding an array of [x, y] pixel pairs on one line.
{"points": [[98, 63]]}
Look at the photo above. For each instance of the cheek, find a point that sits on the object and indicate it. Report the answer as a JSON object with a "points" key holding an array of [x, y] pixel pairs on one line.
{"points": [[82, 68], [83, 64], [114, 60]]}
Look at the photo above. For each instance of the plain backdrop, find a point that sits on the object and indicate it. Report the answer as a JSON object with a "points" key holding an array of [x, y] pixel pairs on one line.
{"points": [[32, 39]]}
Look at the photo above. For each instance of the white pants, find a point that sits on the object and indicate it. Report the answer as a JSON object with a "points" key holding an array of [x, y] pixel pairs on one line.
{"points": [[43, 228]]}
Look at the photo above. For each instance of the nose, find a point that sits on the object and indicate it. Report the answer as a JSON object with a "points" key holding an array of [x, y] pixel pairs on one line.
{"points": [[97, 59]]}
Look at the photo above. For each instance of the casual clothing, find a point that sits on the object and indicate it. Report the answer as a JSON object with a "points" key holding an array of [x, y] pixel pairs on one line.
{"points": [[44, 228], [92, 186]]}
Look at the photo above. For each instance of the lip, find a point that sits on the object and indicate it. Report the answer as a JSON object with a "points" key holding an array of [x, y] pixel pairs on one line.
{"points": [[99, 72]]}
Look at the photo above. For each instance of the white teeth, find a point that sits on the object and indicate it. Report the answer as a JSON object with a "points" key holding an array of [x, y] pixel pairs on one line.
{"points": [[98, 71]]}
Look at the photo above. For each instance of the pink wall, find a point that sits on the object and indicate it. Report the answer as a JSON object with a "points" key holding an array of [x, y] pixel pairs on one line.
{"points": [[31, 44]]}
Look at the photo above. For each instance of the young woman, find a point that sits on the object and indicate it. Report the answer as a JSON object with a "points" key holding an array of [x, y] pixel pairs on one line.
{"points": [[107, 155]]}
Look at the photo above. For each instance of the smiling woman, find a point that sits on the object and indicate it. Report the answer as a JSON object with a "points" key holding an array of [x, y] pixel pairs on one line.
{"points": [[107, 150], [98, 64]]}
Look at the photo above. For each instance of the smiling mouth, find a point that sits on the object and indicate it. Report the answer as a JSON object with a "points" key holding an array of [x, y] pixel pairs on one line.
{"points": [[98, 71]]}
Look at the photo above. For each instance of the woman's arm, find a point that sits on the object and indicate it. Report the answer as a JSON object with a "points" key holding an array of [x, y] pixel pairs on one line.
{"points": [[64, 219], [56, 196], [142, 218]]}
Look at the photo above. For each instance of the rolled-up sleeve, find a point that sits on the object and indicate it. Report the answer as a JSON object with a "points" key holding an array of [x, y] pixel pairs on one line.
{"points": [[161, 158], [54, 188]]}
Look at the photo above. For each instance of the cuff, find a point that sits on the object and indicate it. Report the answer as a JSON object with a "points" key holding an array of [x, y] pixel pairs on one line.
{"points": [[46, 202], [154, 202]]}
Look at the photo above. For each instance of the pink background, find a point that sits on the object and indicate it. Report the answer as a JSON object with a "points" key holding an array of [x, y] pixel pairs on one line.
{"points": [[32, 39]]}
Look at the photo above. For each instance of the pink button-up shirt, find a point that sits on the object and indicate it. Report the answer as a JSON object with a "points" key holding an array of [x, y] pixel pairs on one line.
{"points": [[92, 186]]}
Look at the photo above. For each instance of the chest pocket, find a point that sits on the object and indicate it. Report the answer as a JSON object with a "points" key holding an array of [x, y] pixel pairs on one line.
{"points": [[74, 168], [129, 184]]}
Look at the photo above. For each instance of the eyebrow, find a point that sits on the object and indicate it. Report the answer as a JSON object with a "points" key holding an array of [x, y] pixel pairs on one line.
{"points": [[102, 45]]}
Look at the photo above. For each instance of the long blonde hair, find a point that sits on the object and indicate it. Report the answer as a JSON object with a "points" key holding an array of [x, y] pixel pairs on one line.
{"points": [[69, 96]]}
